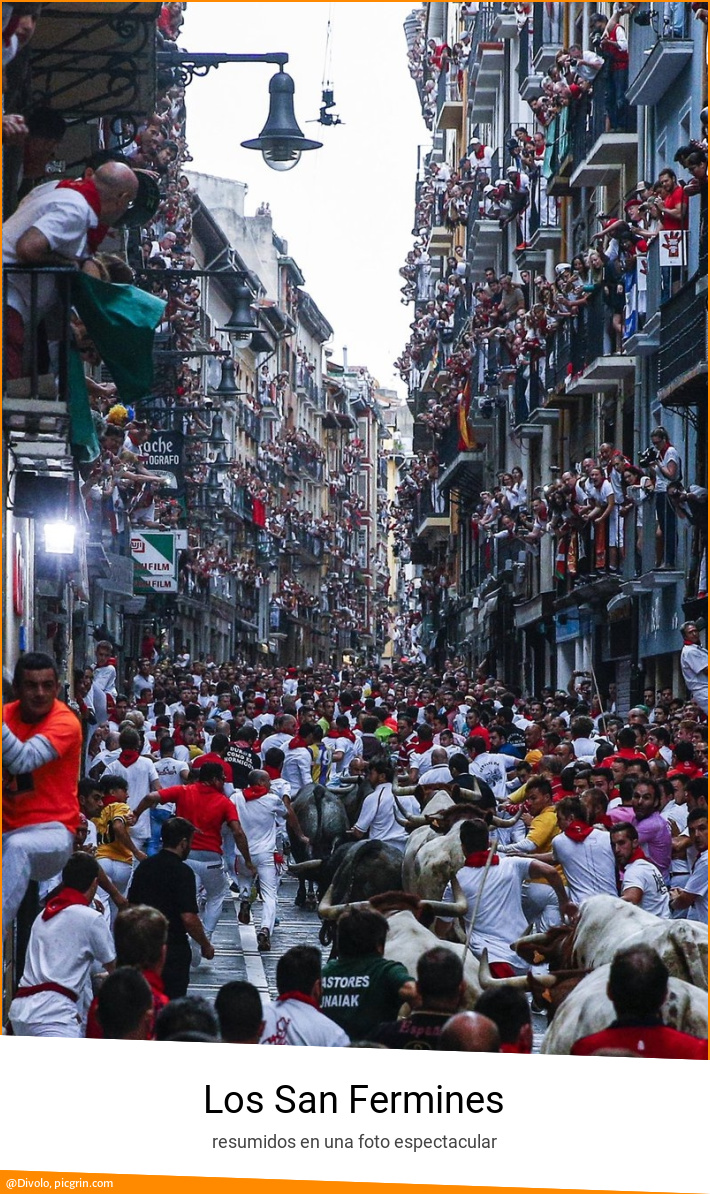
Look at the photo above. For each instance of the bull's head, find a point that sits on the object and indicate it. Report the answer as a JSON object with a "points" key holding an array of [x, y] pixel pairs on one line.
{"points": [[556, 947], [548, 990]]}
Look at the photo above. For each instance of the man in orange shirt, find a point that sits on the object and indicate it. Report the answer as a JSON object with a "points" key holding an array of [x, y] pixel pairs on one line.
{"points": [[41, 746]]}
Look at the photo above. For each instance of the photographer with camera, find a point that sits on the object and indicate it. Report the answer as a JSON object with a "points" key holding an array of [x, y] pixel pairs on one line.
{"points": [[663, 462]]}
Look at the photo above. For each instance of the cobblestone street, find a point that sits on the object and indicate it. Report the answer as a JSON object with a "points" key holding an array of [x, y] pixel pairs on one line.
{"points": [[236, 955]]}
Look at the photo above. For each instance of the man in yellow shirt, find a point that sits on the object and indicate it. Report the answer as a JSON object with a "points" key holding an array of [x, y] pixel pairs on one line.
{"points": [[115, 846], [540, 903]]}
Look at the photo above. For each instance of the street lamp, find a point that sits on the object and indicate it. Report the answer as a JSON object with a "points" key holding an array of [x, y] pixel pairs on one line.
{"points": [[241, 325], [227, 388], [281, 141]]}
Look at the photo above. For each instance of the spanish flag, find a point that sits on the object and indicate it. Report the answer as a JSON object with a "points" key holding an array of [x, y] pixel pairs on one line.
{"points": [[467, 440]]}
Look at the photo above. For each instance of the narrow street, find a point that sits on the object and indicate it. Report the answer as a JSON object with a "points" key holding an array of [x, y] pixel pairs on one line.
{"points": [[236, 955]]}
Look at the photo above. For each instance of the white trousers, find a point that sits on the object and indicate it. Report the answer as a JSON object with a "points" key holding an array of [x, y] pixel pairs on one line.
{"points": [[46, 1028], [540, 906], [209, 872], [34, 852], [266, 871], [120, 875]]}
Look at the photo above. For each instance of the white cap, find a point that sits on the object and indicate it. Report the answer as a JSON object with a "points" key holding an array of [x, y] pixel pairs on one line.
{"points": [[436, 775], [564, 265]]}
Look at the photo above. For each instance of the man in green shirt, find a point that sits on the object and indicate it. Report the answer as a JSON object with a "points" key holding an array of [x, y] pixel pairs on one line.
{"points": [[361, 989]]}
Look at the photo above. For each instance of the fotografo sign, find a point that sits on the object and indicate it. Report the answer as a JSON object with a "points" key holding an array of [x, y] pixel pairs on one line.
{"points": [[155, 555], [164, 453]]}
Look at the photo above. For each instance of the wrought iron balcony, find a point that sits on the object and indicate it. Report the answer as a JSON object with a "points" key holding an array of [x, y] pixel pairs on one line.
{"points": [[683, 352], [599, 151], [486, 63], [449, 101], [432, 518], [546, 35], [668, 50]]}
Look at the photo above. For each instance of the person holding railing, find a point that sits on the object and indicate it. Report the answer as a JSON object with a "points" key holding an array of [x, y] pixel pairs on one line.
{"points": [[598, 512], [57, 225], [666, 468]]}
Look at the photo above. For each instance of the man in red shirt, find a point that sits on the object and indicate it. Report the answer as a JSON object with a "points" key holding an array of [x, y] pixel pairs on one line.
{"points": [[218, 748], [638, 985], [208, 809], [41, 747], [673, 202]]}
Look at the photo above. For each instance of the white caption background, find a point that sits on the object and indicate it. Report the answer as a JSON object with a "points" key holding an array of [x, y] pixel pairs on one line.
{"points": [[49, 1088]]}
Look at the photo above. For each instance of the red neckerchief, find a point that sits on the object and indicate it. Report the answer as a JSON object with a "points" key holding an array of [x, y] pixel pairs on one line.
{"points": [[479, 858], [128, 757], [255, 792], [273, 772], [606, 821], [298, 743], [109, 799], [638, 856], [576, 831], [300, 997], [342, 734], [420, 748], [88, 190], [66, 898]]}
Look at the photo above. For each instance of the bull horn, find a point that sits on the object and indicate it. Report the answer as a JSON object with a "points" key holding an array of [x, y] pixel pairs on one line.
{"points": [[546, 980], [301, 868], [406, 790], [417, 822], [534, 939], [487, 980], [329, 911], [507, 822], [457, 907]]}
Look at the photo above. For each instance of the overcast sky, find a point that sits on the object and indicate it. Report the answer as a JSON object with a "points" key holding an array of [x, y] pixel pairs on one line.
{"points": [[346, 210]]}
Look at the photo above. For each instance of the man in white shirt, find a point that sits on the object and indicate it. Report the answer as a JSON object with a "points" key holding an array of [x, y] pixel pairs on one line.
{"points": [[694, 896], [694, 665], [262, 814], [493, 768], [497, 894], [299, 759], [170, 770], [284, 729], [640, 880], [342, 744], [103, 682], [377, 815], [583, 852], [50, 228], [141, 776], [68, 942], [295, 1018], [143, 678]]}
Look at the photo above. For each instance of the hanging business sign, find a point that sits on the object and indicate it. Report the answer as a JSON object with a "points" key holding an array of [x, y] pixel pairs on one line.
{"points": [[164, 453], [154, 556]]}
